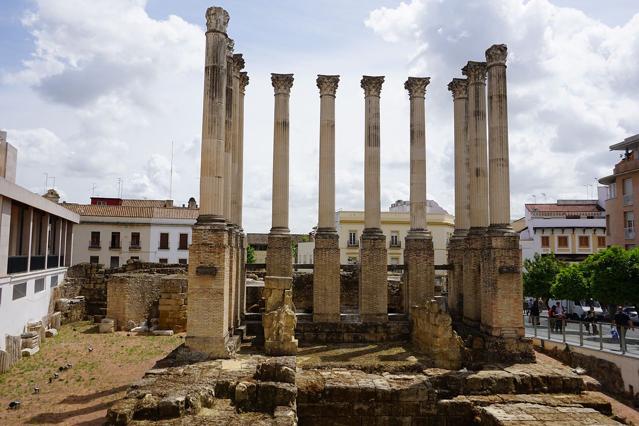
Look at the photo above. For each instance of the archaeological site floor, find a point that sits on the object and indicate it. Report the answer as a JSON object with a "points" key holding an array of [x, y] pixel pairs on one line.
{"points": [[362, 384]]}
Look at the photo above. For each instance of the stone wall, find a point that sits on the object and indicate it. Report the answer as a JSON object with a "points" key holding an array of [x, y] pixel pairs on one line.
{"points": [[432, 334], [173, 302]]}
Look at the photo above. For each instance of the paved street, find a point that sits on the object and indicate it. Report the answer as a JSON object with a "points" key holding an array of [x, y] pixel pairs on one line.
{"points": [[592, 341]]}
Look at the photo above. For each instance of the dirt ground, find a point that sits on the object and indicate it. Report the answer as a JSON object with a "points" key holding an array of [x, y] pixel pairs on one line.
{"points": [[82, 393]]}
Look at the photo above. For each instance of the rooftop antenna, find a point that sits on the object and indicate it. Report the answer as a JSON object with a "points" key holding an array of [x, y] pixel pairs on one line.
{"points": [[53, 178], [46, 182], [171, 175], [119, 187], [534, 198], [93, 190]]}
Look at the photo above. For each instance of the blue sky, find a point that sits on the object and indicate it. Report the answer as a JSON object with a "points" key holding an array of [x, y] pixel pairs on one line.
{"points": [[93, 91]]}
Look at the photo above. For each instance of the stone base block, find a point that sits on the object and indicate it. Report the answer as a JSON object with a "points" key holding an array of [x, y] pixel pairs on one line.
{"points": [[233, 265], [484, 349], [352, 332], [279, 318], [456, 253], [373, 278], [279, 255], [419, 261], [502, 287], [211, 347], [326, 278], [472, 277], [209, 291]]}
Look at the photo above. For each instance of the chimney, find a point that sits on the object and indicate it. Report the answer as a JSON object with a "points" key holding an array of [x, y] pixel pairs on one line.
{"points": [[52, 195]]}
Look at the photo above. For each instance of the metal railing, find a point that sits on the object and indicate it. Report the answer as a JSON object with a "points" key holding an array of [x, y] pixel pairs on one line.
{"points": [[595, 335]]}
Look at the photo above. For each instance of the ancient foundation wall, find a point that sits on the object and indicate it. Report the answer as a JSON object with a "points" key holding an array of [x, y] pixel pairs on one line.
{"points": [[173, 302]]}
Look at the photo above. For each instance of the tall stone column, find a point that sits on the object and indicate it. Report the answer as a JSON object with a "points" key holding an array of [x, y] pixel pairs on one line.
{"points": [[243, 82], [326, 275], [502, 282], [279, 253], [209, 253], [279, 316], [456, 244], [373, 285], [419, 256], [478, 186]]}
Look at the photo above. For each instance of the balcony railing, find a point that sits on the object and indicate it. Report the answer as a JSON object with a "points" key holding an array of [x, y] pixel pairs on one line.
{"points": [[52, 261], [353, 244], [626, 166], [395, 244], [629, 233], [94, 245], [37, 263], [135, 247], [116, 246], [17, 264]]}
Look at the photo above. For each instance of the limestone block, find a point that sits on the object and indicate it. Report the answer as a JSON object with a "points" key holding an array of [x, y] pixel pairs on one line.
{"points": [[107, 325], [279, 319], [51, 332], [432, 334], [27, 352], [162, 332]]}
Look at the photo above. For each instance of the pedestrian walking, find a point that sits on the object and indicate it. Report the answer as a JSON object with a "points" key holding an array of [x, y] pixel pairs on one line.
{"points": [[622, 323]]}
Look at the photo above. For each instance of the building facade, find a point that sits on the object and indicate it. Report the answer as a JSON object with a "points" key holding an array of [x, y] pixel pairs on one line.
{"points": [[571, 229], [113, 231], [36, 240], [623, 189]]}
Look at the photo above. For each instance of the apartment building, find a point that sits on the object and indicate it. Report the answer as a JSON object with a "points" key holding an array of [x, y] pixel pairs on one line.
{"points": [[113, 230], [35, 248], [623, 190], [571, 229]]}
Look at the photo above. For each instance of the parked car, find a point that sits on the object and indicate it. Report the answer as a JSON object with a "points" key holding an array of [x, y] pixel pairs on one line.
{"points": [[576, 310], [631, 311]]}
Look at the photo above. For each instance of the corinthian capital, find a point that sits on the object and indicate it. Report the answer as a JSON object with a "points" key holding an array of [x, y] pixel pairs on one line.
{"points": [[496, 54], [282, 83], [238, 63], [416, 86], [459, 88], [372, 85], [216, 19], [475, 71], [244, 81], [327, 84]]}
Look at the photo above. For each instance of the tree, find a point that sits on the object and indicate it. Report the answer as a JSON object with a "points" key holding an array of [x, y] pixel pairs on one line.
{"points": [[571, 284], [614, 275], [250, 254], [539, 274]]}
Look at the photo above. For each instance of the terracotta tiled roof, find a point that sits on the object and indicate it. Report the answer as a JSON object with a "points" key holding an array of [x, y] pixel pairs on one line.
{"points": [[564, 208], [133, 211], [146, 203]]}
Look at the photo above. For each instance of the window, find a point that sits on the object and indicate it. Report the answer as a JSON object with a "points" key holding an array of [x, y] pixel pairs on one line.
{"points": [[115, 261], [115, 240], [19, 291], [184, 242], [629, 225], [607, 224], [164, 241], [182, 261], [163, 260], [545, 241], [627, 192], [94, 260], [562, 241], [612, 190], [135, 240], [39, 285], [394, 239], [352, 238], [584, 241], [95, 239], [601, 241], [54, 281]]}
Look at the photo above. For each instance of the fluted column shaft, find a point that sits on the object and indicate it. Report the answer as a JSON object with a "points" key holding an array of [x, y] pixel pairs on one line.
{"points": [[212, 167], [243, 82], [417, 91], [478, 149], [328, 86], [236, 192], [459, 88], [372, 188], [498, 138], [282, 84], [229, 137]]}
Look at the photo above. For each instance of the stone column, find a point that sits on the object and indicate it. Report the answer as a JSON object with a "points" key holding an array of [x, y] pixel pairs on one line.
{"points": [[419, 256], [373, 285], [228, 136], [326, 275], [456, 244], [478, 186], [243, 82], [502, 282], [209, 256], [279, 315], [237, 146], [279, 253]]}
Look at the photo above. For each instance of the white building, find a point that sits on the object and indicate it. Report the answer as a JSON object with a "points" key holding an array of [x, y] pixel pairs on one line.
{"points": [[571, 229], [114, 230], [35, 248]]}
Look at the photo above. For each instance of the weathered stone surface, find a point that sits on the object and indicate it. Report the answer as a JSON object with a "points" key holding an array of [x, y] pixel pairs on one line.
{"points": [[433, 334], [279, 369], [279, 319]]}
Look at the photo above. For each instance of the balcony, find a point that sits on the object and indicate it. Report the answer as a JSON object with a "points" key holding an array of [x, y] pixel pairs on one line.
{"points": [[94, 245], [395, 244], [115, 246], [629, 233], [626, 166], [352, 244], [135, 247], [17, 264], [52, 261]]}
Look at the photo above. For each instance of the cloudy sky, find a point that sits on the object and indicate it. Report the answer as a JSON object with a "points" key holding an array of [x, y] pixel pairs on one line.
{"points": [[92, 91]]}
